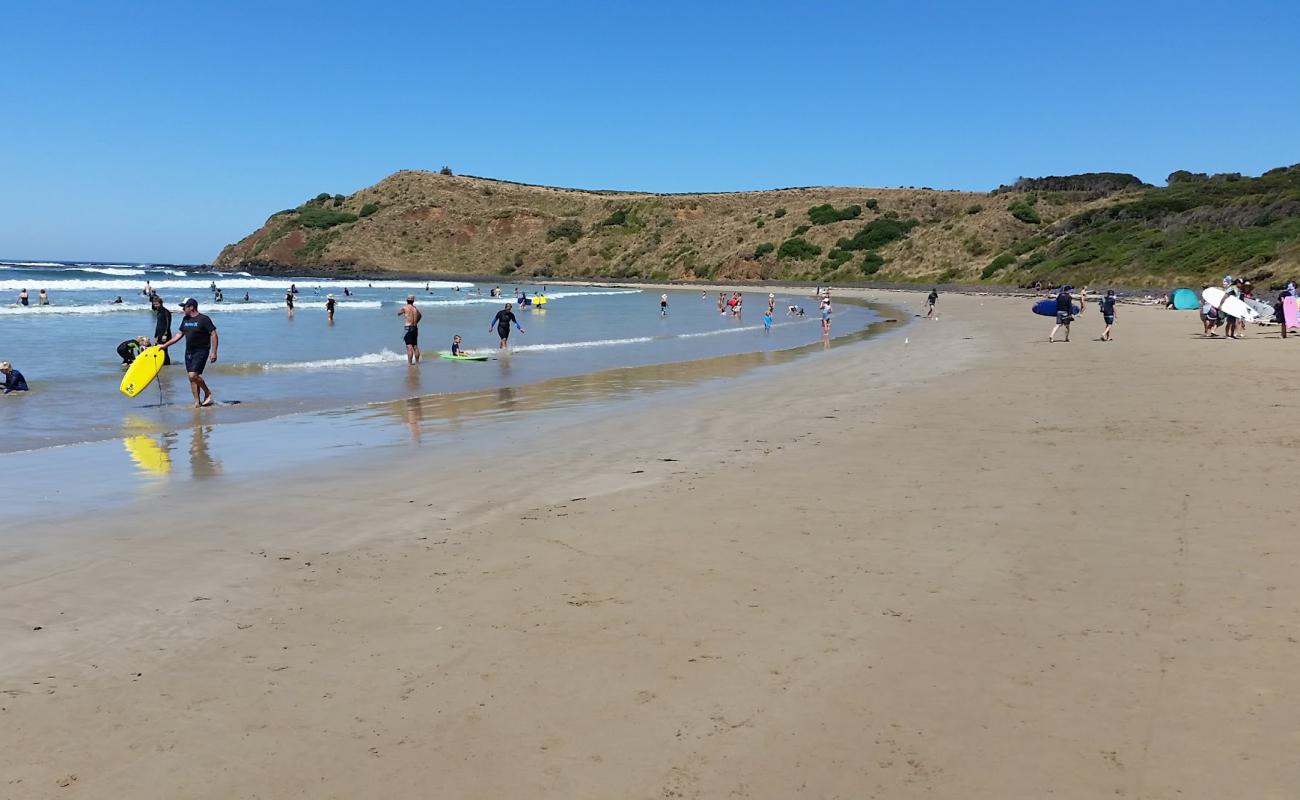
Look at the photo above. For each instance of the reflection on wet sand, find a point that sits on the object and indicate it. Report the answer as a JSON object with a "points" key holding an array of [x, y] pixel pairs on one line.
{"points": [[451, 412], [202, 463], [150, 445]]}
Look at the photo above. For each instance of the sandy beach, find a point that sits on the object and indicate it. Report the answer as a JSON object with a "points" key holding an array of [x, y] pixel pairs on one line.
{"points": [[955, 562]]}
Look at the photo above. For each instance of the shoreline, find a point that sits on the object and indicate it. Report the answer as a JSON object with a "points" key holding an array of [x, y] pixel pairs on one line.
{"points": [[963, 564]]}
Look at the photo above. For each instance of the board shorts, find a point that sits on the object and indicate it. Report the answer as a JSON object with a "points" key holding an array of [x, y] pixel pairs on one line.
{"points": [[411, 335], [1062, 318], [1110, 318], [196, 360]]}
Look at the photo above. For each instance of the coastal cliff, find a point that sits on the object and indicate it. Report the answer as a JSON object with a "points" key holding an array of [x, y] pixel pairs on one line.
{"points": [[1094, 227]]}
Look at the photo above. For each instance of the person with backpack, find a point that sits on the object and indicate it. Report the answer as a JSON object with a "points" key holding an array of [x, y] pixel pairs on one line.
{"points": [[1107, 306], [1064, 313]]}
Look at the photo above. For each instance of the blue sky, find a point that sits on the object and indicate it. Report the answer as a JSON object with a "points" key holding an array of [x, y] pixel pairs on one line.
{"points": [[160, 131]]}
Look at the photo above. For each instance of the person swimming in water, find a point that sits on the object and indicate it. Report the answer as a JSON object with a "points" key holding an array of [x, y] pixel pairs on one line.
{"points": [[502, 322], [14, 380]]}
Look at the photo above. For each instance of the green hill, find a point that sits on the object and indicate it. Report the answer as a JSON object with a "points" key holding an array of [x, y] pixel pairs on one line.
{"points": [[1093, 228]]}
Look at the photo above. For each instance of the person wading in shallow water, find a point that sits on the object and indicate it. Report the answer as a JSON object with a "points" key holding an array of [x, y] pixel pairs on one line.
{"points": [[502, 322], [200, 349], [411, 333]]}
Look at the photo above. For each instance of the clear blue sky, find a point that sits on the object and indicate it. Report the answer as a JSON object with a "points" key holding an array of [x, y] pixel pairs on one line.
{"points": [[160, 131]]}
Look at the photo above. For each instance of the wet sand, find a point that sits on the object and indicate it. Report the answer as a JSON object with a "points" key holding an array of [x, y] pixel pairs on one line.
{"points": [[957, 562]]}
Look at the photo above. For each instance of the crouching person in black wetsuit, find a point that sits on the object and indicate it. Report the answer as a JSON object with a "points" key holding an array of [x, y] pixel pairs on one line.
{"points": [[14, 380], [132, 348], [502, 322]]}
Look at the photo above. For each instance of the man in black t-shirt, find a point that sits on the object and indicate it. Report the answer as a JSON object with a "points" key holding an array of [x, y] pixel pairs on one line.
{"points": [[200, 348]]}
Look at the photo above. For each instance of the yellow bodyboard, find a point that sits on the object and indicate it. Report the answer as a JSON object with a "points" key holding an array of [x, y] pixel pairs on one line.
{"points": [[142, 371]]}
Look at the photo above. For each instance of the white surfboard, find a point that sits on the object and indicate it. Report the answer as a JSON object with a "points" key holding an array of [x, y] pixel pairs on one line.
{"points": [[1228, 304]]}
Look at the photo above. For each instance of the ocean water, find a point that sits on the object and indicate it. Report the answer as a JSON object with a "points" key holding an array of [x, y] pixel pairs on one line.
{"points": [[275, 363]]}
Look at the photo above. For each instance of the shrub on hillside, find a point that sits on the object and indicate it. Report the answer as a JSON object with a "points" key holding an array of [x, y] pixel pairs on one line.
{"points": [[322, 197], [338, 200], [997, 264], [878, 233], [872, 203], [798, 249], [763, 249], [975, 209], [445, 171], [317, 217], [871, 263], [368, 209], [835, 259], [801, 230], [1084, 182], [1023, 210], [975, 247], [827, 213], [570, 229], [618, 218], [780, 212]]}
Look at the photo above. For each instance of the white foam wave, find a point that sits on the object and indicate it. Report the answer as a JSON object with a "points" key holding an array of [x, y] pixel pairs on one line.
{"points": [[75, 285], [572, 345], [208, 308], [500, 300], [738, 329], [122, 271], [369, 359], [31, 264]]}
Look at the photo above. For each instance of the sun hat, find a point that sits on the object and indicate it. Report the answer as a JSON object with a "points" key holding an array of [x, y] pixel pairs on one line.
{"points": [[329, 297]]}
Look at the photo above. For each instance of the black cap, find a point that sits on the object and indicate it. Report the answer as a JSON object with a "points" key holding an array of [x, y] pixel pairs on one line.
{"points": [[190, 301]]}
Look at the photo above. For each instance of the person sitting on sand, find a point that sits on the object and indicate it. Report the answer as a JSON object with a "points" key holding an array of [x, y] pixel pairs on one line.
{"points": [[14, 380]]}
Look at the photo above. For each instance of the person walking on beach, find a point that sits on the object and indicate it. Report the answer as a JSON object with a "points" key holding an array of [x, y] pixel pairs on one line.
{"points": [[14, 380], [930, 301], [22, 297], [162, 325], [1107, 306], [200, 349], [1279, 311], [663, 305], [329, 307], [826, 316], [1064, 313], [411, 333], [502, 322], [767, 320]]}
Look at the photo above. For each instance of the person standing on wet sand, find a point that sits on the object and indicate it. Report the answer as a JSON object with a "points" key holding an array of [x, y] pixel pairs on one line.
{"points": [[502, 322], [329, 307], [930, 301], [162, 324], [200, 349], [411, 333], [288, 300], [1107, 306], [663, 305]]}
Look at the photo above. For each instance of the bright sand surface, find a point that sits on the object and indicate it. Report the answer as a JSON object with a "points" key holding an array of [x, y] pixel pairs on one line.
{"points": [[954, 562]]}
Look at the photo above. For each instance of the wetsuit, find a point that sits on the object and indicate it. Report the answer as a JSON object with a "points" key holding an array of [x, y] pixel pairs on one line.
{"points": [[15, 382], [455, 349], [502, 320], [198, 342], [288, 300], [329, 306], [128, 350], [162, 330]]}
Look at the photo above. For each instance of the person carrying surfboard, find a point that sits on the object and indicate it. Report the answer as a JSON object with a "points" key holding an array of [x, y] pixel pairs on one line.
{"points": [[200, 349], [1064, 313]]}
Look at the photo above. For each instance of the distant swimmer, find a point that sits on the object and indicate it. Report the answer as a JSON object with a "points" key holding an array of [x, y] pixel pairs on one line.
{"points": [[200, 349], [663, 305], [245, 297], [502, 322], [162, 324], [930, 301], [117, 301], [147, 291], [14, 380], [43, 298], [329, 306], [131, 348], [22, 297], [347, 292], [411, 333], [220, 298]]}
